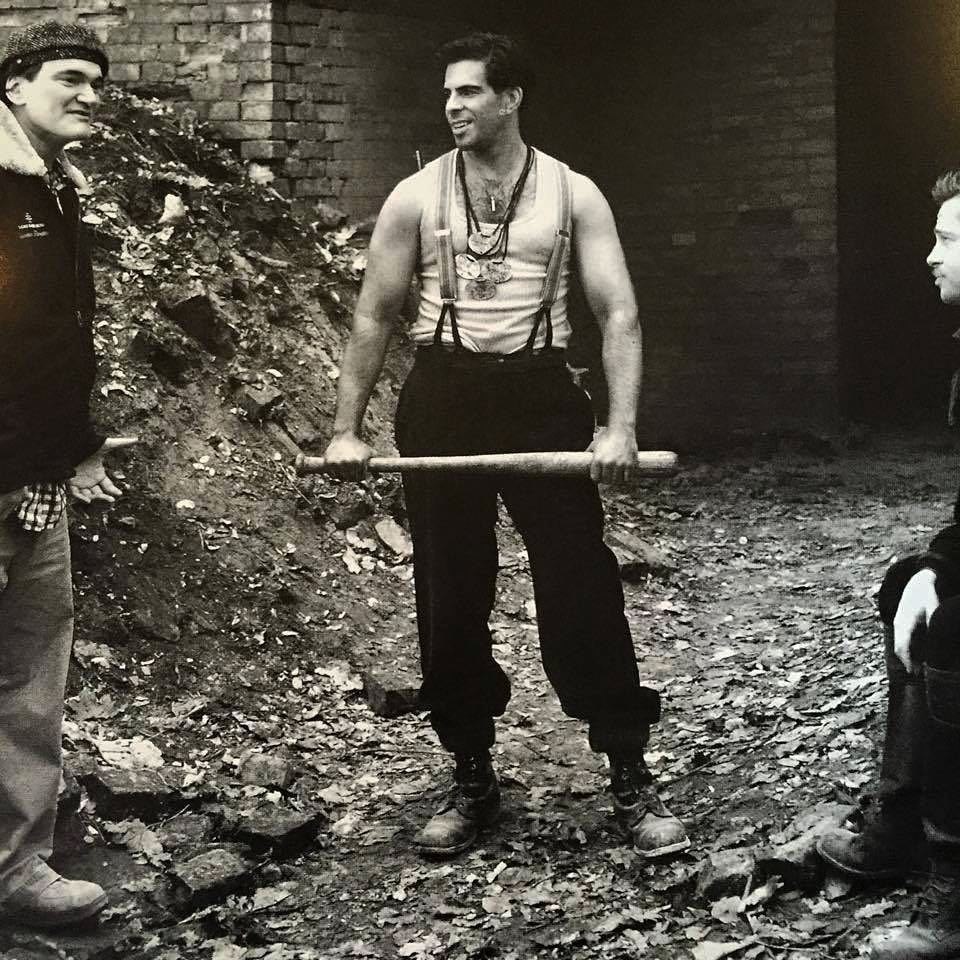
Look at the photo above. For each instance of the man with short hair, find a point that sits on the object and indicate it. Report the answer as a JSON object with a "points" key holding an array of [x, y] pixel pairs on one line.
{"points": [[915, 812], [490, 228], [50, 74]]}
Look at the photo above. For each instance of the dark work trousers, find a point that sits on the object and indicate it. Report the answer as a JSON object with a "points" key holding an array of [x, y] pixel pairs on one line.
{"points": [[922, 747], [460, 403]]}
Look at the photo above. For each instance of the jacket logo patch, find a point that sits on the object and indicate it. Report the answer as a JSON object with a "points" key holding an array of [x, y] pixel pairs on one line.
{"points": [[30, 229]]}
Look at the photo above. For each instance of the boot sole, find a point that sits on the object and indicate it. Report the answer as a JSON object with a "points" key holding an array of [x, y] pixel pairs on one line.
{"points": [[897, 874], [666, 851], [445, 853], [66, 919]]}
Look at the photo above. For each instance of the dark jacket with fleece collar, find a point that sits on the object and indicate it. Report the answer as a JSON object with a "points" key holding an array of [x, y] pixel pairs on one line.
{"points": [[47, 301]]}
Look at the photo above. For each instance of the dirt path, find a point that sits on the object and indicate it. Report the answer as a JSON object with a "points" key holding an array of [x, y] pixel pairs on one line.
{"points": [[765, 645]]}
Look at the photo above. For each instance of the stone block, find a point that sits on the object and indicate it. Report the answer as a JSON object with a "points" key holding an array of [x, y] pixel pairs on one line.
{"points": [[638, 559], [262, 71], [223, 71], [392, 689], [258, 401], [264, 110], [192, 33], [257, 33], [259, 91], [185, 835], [154, 72], [209, 878], [124, 72], [262, 770], [195, 313], [268, 828], [725, 873], [224, 110], [264, 149], [122, 794]]}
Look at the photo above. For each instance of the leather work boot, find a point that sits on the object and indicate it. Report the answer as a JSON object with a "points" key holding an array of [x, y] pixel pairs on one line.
{"points": [[883, 839], [50, 900], [654, 830], [934, 930], [473, 802], [889, 844]]}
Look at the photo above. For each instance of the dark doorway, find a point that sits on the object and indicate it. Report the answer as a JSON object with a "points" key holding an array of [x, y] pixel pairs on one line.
{"points": [[898, 101]]}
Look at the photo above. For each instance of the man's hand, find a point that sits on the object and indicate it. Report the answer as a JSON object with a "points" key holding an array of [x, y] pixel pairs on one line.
{"points": [[614, 456], [917, 604], [90, 480], [347, 456]]}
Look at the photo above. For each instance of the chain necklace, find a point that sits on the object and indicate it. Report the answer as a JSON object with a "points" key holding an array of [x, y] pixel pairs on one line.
{"points": [[484, 264]]}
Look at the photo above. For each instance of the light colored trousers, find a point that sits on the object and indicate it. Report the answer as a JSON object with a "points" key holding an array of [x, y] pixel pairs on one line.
{"points": [[36, 633]]}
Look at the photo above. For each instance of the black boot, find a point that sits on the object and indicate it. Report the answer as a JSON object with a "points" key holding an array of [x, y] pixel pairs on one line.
{"points": [[884, 839], [934, 931], [654, 830], [472, 803]]}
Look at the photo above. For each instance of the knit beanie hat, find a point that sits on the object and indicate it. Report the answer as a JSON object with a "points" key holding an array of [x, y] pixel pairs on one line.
{"points": [[50, 40]]}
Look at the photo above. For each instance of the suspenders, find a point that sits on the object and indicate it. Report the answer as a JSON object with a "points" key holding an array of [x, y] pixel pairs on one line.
{"points": [[447, 266], [445, 255]]}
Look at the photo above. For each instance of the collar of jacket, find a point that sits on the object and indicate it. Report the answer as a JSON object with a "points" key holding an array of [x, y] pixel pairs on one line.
{"points": [[18, 156]]}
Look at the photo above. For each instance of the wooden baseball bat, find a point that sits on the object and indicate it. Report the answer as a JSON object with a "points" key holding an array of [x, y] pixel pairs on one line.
{"points": [[650, 463]]}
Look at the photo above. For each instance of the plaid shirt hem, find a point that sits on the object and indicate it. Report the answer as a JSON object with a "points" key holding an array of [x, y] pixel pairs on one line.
{"points": [[42, 507]]}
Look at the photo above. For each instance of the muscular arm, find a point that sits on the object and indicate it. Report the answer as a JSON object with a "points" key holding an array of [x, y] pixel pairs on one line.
{"points": [[606, 283], [390, 265]]}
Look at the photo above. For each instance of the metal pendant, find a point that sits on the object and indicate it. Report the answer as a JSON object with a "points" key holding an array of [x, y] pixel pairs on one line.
{"points": [[481, 290], [481, 244], [467, 267], [497, 271]]}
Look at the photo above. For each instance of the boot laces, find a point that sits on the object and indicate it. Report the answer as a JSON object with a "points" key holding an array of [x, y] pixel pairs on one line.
{"points": [[472, 776], [630, 780]]}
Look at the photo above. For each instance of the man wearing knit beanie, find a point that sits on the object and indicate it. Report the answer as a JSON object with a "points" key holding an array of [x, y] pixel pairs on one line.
{"points": [[49, 79]]}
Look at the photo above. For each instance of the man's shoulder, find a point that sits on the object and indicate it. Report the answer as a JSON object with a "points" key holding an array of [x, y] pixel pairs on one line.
{"points": [[414, 194], [581, 185]]}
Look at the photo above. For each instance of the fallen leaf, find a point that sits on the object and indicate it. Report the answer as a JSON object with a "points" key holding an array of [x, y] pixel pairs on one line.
{"points": [[711, 950]]}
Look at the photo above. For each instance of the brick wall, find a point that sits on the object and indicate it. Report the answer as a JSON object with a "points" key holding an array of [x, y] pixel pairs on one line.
{"points": [[216, 55], [363, 97], [711, 130], [716, 145]]}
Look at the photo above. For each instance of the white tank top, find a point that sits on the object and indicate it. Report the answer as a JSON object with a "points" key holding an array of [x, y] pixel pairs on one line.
{"points": [[503, 323]]}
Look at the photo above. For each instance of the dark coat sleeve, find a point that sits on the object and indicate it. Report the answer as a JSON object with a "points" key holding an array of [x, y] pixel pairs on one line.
{"points": [[943, 554]]}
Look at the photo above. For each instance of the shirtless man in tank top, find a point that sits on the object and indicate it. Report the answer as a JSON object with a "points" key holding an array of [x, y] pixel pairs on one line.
{"points": [[491, 230]]}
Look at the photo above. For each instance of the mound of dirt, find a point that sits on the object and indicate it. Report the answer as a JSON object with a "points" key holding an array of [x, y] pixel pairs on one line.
{"points": [[221, 320]]}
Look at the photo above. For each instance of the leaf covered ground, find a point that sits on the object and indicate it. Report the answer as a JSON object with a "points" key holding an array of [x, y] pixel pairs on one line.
{"points": [[763, 640], [229, 616]]}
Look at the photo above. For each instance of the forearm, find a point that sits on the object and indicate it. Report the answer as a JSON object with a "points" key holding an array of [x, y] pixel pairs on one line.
{"points": [[622, 366], [359, 372]]}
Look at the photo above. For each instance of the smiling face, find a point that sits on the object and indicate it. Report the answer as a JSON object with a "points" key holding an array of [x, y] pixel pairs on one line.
{"points": [[477, 114], [56, 106], [944, 258]]}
